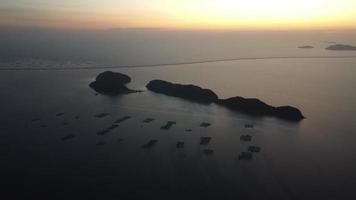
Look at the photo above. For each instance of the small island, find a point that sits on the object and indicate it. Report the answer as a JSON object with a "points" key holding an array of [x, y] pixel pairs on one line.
{"points": [[249, 106], [306, 47], [341, 47], [111, 83], [188, 92], [259, 108]]}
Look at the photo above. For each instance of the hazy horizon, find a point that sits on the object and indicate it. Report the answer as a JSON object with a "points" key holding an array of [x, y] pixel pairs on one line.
{"points": [[153, 46], [173, 14]]}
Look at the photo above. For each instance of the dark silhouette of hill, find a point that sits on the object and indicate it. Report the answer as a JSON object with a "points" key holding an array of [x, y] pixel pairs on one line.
{"points": [[250, 106], [259, 108], [306, 47], [111, 83], [189, 92]]}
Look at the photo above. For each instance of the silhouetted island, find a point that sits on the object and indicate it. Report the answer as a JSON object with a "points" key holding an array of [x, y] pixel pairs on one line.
{"points": [[257, 107], [306, 47], [111, 83], [341, 47], [189, 92], [249, 106]]}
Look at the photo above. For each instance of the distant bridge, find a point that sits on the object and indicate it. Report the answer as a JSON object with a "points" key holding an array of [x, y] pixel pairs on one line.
{"points": [[167, 64]]}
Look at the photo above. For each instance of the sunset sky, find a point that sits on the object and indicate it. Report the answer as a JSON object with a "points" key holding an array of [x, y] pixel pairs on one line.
{"points": [[192, 14]]}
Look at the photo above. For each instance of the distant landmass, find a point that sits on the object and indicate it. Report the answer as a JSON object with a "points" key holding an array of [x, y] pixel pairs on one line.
{"points": [[306, 47], [341, 47], [111, 83], [249, 106]]}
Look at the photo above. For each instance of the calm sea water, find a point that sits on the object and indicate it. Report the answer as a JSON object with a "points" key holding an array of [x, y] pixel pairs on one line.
{"points": [[313, 159]]}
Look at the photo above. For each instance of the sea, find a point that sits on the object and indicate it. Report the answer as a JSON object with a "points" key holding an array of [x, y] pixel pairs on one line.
{"points": [[49, 142]]}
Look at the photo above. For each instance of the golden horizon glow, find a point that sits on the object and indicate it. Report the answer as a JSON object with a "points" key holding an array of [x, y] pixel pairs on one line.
{"points": [[197, 14]]}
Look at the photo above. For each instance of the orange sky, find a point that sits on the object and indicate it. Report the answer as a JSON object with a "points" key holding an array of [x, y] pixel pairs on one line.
{"points": [[192, 14]]}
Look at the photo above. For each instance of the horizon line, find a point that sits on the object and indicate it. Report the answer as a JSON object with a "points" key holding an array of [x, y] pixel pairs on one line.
{"points": [[177, 28]]}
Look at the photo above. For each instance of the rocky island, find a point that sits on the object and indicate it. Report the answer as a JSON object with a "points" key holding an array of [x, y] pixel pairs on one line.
{"points": [[206, 96], [111, 83], [188, 92], [341, 47]]}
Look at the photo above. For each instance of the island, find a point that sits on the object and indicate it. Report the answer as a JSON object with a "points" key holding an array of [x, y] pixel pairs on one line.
{"points": [[259, 108], [188, 92], [306, 47], [341, 47], [250, 106], [111, 83]]}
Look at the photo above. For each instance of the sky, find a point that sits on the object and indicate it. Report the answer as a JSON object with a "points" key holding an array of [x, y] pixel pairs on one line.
{"points": [[185, 14]]}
